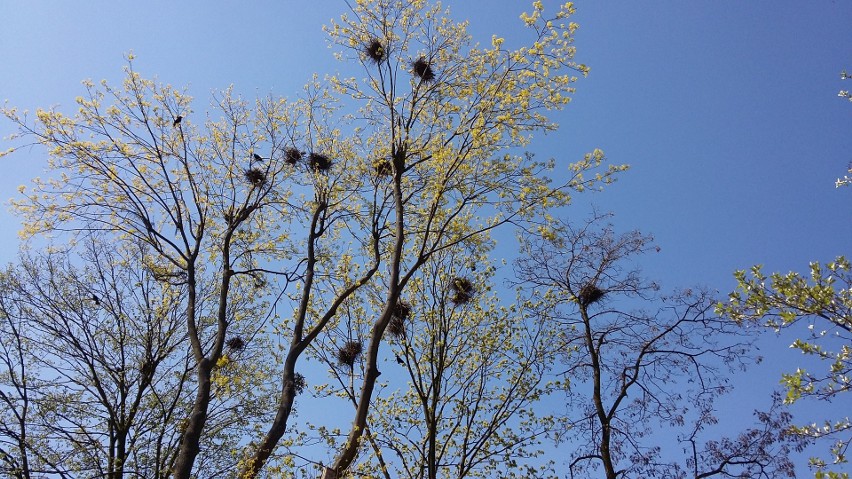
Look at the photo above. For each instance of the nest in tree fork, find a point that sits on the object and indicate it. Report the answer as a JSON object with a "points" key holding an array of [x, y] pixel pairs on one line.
{"points": [[463, 290], [299, 383], [292, 156], [401, 312], [319, 162], [236, 343], [349, 353], [423, 70], [255, 176], [375, 50], [396, 327], [146, 367], [589, 294], [383, 168]]}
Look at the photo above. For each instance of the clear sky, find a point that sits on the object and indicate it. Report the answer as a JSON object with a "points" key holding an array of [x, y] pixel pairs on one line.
{"points": [[727, 111]]}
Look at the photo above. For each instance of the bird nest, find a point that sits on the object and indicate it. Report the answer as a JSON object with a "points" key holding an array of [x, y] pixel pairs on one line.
{"points": [[463, 290], [349, 352], [396, 327], [236, 343], [589, 294], [292, 156], [383, 168], [319, 162], [375, 50], [401, 312], [423, 70], [255, 176], [299, 383]]}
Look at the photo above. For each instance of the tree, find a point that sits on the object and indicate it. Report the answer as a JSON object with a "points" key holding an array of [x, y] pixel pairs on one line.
{"points": [[467, 377], [437, 114], [822, 301], [627, 369], [335, 206], [97, 371], [133, 175], [89, 350]]}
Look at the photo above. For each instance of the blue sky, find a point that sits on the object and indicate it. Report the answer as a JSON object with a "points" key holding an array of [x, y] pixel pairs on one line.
{"points": [[726, 111]]}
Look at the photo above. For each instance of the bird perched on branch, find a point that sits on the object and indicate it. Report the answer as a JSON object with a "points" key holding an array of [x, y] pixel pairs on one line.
{"points": [[177, 121]]}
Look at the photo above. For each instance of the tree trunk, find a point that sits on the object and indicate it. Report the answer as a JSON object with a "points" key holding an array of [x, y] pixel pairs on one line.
{"points": [[190, 444]]}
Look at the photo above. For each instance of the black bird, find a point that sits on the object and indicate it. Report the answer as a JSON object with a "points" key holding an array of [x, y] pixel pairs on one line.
{"points": [[96, 300], [257, 157], [399, 359], [177, 120]]}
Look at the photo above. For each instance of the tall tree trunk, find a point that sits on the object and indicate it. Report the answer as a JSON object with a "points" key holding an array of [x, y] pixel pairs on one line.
{"points": [[347, 454], [603, 417], [190, 443]]}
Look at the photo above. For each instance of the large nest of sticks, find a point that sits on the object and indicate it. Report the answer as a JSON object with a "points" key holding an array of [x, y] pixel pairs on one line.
{"points": [[383, 167], [146, 367], [463, 290], [423, 70], [236, 343], [401, 312], [319, 162], [349, 353], [255, 176], [299, 383], [375, 50], [589, 294], [396, 327], [292, 156]]}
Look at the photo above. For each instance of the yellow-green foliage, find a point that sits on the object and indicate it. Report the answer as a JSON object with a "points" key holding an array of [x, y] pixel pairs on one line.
{"points": [[823, 301]]}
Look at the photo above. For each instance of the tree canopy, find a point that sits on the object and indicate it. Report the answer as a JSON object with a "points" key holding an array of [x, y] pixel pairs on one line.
{"points": [[310, 286], [303, 205], [822, 302]]}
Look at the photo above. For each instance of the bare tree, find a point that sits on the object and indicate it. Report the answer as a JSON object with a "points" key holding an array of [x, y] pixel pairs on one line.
{"points": [[629, 371]]}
